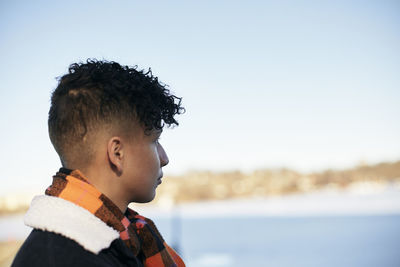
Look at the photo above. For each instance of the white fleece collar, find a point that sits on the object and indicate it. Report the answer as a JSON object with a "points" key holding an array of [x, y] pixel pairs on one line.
{"points": [[63, 217]]}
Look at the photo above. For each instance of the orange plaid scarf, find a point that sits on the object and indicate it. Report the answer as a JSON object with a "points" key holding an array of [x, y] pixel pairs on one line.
{"points": [[138, 233]]}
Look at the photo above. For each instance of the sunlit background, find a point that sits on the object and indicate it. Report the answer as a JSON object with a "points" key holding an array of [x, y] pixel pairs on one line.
{"points": [[290, 107]]}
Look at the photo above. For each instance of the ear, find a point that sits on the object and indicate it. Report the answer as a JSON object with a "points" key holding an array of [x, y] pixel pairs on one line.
{"points": [[115, 153]]}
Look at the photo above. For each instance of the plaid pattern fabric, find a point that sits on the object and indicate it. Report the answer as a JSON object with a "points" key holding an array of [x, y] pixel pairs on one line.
{"points": [[138, 233]]}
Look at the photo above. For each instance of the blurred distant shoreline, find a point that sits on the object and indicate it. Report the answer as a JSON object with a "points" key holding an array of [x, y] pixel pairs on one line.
{"points": [[199, 186], [207, 185]]}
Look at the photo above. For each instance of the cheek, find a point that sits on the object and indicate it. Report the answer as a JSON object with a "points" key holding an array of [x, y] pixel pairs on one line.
{"points": [[150, 162], [145, 163], [154, 158]]}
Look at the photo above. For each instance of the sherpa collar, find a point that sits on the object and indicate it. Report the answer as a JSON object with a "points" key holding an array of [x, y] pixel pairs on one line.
{"points": [[63, 217]]}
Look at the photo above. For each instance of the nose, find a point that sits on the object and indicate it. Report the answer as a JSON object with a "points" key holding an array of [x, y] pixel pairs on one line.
{"points": [[163, 156]]}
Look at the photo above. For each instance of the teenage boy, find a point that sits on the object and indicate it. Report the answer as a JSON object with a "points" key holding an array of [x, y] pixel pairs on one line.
{"points": [[104, 122]]}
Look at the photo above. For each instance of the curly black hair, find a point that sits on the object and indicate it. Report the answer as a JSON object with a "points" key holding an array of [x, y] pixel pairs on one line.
{"points": [[98, 93]]}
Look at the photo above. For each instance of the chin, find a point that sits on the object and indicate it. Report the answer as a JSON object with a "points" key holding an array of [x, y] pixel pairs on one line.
{"points": [[145, 199]]}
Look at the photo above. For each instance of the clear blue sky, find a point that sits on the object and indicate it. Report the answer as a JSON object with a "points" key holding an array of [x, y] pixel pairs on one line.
{"points": [[303, 84]]}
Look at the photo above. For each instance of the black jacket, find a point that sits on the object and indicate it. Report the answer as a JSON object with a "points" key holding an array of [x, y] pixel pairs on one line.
{"points": [[43, 248], [65, 234]]}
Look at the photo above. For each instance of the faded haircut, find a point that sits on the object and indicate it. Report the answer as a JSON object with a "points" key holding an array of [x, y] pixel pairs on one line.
{"points": [[99, 94]]}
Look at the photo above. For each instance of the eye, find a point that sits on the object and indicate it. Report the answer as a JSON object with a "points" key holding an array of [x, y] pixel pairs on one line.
{"points": [[157, 137]]}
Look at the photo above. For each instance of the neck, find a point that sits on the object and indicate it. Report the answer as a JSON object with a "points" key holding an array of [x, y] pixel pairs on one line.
{"points": [[105, 183]]}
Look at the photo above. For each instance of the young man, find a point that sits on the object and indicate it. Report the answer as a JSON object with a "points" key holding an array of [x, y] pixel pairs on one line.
{"points": [[105, 121]]}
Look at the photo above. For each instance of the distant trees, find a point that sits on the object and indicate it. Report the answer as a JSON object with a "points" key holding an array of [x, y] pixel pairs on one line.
{"points": [[207, 185]]}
